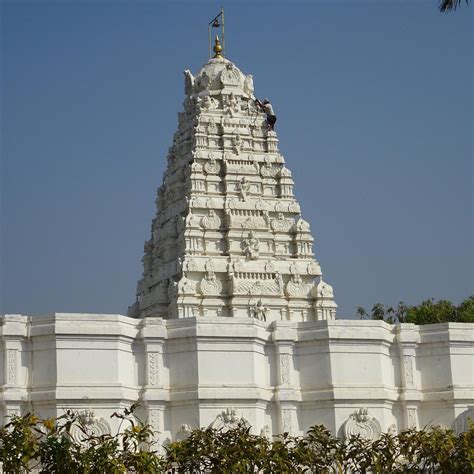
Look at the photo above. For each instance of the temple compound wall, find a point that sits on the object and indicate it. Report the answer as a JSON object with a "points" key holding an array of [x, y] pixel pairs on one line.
{"points": [[351, 376]]}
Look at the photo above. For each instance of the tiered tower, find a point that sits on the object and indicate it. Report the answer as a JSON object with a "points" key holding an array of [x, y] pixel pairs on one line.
{"points": [[228, 238]]}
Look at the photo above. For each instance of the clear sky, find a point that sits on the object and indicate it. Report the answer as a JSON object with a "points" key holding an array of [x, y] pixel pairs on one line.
{"points": [[374, 105]]}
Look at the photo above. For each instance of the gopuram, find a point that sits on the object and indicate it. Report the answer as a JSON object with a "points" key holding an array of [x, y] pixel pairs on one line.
{"points": [[233, 321], [228, 238]]}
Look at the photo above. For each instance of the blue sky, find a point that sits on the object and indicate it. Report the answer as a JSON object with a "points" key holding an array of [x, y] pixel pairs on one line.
{"points": [[374, 105]]}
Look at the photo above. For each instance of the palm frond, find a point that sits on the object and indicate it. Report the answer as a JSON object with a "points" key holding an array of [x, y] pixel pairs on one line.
{"points": [[450, 5]]}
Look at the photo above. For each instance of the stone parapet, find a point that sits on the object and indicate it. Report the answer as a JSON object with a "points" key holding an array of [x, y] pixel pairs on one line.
{"points": [[279, 376]]}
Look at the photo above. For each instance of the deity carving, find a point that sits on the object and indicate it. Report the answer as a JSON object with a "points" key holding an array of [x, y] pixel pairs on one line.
{"points": [[230, 75], [231, 104], [203, 81], [211, 220], [243, 187], [251, 246], [260, 311], [210, 285], [237, 143], [280, 224], [212, 127], [279, 282], [295, 287], [212, 166], [362, 424], [267, 170]]}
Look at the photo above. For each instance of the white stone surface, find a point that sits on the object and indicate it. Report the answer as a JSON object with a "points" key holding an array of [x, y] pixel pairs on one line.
{"points": [[283, 375], [229, 322]]}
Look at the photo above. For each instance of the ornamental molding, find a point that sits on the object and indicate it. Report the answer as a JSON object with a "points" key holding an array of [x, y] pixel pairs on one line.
{"points": [[12, 363], [153, 368]]}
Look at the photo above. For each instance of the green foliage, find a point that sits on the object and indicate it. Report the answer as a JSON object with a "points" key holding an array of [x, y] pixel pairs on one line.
{"points": [[28, 443], [427, 312], [450, 5]]}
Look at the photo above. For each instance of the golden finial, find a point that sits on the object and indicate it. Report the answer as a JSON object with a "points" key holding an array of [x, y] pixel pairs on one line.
{"points": [[217, 48]]}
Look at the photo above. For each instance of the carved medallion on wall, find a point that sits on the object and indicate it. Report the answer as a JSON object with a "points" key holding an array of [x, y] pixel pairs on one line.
{"points": [[228, 420], [92, 426], [212, 166], [211, 220], [362, 424], [461, 423]]}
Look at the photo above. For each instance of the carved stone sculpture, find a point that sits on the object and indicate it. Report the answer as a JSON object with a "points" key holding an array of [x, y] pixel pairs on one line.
{"points": [[362, 424], [89, 426], [228, 420], [251, 246], [243, 187], [260, 311]]}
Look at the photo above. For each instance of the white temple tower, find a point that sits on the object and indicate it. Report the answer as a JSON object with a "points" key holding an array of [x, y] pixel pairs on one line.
{"points": [[228, 238]]}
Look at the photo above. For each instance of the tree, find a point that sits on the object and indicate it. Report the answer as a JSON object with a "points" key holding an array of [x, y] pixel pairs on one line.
{"points": [[450, 5], [427, 312]]}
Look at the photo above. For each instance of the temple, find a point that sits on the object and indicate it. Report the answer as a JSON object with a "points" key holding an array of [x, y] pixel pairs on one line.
{"points": [[228, 238], [232, 320]]}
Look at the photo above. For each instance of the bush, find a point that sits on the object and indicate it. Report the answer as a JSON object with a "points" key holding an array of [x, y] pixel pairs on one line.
{"points": [[427, 312], [28, 443]]}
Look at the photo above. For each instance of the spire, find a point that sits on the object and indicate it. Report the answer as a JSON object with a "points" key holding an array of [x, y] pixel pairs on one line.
{"points": [[228, 238], [218, 49]]}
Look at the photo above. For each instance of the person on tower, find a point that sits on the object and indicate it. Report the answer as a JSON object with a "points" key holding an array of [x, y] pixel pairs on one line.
{"points": [[268, 109]]}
